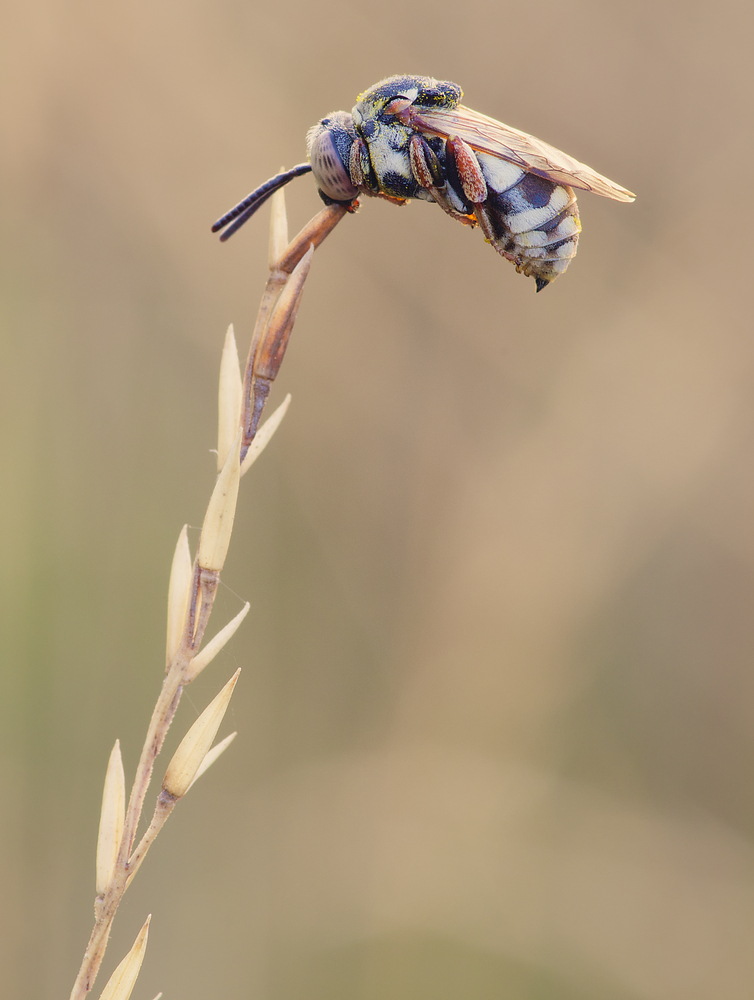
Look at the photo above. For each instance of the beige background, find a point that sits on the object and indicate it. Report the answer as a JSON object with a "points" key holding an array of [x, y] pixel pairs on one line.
{"points": [[497, 704]]}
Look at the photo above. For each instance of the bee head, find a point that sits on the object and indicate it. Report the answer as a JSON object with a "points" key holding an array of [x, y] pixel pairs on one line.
{"points": [[328, 145]]}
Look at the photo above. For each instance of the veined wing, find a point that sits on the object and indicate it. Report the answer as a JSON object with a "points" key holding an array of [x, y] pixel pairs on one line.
{"points": [[490, 136]]}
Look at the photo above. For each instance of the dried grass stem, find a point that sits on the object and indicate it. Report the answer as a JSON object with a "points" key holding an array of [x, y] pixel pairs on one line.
{"points": [[190, 607]]}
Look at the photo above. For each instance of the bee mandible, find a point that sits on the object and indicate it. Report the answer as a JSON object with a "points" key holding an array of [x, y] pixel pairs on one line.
{"points": [[410, 137]]}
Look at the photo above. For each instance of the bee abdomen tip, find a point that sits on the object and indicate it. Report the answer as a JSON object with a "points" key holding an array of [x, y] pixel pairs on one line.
{"points": [[541, 283]]}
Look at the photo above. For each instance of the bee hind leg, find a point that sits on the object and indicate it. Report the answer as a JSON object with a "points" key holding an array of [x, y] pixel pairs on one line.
{"points": [[504, 245]]}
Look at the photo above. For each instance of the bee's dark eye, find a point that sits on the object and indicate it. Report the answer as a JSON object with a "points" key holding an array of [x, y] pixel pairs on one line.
{"points": [[325, 121], [368, 128], [328, 153]]}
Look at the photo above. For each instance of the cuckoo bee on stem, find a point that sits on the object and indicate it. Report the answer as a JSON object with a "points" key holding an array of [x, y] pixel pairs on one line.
{"points": [[410, 137]]}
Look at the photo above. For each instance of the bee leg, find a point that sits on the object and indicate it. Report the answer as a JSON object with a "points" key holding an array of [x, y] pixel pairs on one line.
{"points": [[393, 199], [504, 249], [504, 245], [474, 187], [362, 175], [425, 166], [360, 168], [469, 172], [428, 172]]}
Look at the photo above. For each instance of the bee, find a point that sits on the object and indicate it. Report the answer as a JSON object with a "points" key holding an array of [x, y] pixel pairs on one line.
{"points": [[410, 137]]}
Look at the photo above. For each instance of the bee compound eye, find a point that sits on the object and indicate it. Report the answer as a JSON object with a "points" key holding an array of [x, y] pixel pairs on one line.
{"points": [[328, 168]]}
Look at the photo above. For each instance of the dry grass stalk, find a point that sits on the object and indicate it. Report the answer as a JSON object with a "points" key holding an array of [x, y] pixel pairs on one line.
{"points": [[191, 597]]}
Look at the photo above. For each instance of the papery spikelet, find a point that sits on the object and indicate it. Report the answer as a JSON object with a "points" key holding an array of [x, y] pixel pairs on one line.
{"points": [[179, 593], [215, 644], [229, 398], [122, 981], [218, 521], [112, 818], [264, 435], [196, 743], [211, 757]]}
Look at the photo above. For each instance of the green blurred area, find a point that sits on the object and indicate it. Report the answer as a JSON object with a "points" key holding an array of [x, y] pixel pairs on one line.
{"points": [[495, 719]]}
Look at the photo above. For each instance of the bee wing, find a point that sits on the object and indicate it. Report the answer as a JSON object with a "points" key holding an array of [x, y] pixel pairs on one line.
{"points": [[490, 136]]}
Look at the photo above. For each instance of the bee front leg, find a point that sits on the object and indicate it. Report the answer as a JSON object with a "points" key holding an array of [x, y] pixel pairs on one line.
{"points": [[362, 176], [428, 172], [360, 168]]}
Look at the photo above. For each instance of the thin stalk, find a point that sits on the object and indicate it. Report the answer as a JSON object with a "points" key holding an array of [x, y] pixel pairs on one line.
{"points": [[269, 347]]}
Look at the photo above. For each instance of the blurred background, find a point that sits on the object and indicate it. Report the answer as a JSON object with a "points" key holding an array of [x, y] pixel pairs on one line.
{"points": [[495, 719]]}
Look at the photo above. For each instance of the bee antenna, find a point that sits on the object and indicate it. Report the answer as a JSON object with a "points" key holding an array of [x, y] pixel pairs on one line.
{"points": [[245, 215], [246, 208]]}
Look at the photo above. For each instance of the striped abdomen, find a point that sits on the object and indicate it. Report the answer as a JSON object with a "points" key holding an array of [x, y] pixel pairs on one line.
{"points": [[531, 221]]}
